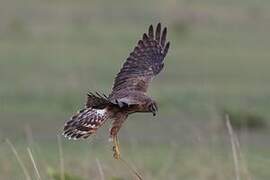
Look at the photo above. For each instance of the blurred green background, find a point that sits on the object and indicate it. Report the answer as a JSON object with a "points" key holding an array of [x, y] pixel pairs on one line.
{"points": [[52, 52]]}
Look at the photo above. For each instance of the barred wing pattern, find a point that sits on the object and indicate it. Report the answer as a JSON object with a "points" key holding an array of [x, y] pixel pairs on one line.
{"points": [[85, 123], [144, 62]]}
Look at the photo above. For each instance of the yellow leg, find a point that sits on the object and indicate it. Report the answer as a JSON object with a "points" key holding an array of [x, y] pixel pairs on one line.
{"points": [[116, 148]]}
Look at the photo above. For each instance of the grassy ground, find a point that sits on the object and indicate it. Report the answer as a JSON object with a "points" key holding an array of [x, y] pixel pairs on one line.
{"points": [[53, 52]]}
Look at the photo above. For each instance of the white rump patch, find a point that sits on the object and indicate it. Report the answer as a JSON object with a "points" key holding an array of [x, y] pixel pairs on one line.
{"points": [[101, 111]]}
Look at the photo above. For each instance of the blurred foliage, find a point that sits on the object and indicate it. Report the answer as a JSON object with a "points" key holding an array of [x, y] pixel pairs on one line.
{"points": [[241, 119], [58, 176]]}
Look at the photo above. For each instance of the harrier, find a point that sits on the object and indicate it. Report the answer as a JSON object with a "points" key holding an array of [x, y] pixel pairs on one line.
{"points": [[128, 93]]}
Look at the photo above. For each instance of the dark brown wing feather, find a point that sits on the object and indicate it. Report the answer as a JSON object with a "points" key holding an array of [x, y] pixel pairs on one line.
{"points": [[96, 100], [144, 62]]}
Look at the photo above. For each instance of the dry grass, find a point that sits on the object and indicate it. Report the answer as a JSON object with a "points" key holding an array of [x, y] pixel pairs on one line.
{"points": [[22, 165], [52, 52], [38, 177]]}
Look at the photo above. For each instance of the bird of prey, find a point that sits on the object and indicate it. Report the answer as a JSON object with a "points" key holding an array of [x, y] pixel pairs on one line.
{"points": [[128, 93]]}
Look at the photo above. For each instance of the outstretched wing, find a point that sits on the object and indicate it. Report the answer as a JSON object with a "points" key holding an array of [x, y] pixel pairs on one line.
{"points": [[144, 62]]}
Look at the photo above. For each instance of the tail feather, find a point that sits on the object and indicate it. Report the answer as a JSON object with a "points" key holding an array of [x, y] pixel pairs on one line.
{"points": [[85, 123]]}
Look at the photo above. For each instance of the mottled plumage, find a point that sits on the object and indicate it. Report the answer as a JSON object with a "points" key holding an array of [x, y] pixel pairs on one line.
{"points": [[129, 90]]}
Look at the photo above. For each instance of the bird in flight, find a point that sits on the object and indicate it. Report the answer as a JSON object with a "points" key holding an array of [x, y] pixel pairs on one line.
{"points": [[128, 94]]}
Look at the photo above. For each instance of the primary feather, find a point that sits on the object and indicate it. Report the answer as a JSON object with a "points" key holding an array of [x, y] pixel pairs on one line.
{"points": [[144, 62]]}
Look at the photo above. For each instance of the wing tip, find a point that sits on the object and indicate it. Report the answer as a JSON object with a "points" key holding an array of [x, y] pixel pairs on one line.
{"points": [[167, 46], [158, 29], [163, 37], [159, 24], [145, 37], [151, 31]]}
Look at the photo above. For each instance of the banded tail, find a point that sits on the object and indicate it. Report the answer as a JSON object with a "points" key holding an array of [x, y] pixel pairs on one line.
{"points": [[85, 123]]}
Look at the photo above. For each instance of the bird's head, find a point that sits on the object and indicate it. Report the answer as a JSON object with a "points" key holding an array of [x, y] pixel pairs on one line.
{"points": [[152, 107]]}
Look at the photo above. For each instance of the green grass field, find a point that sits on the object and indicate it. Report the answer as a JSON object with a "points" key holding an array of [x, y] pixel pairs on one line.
{"points": [[53, 52]]}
